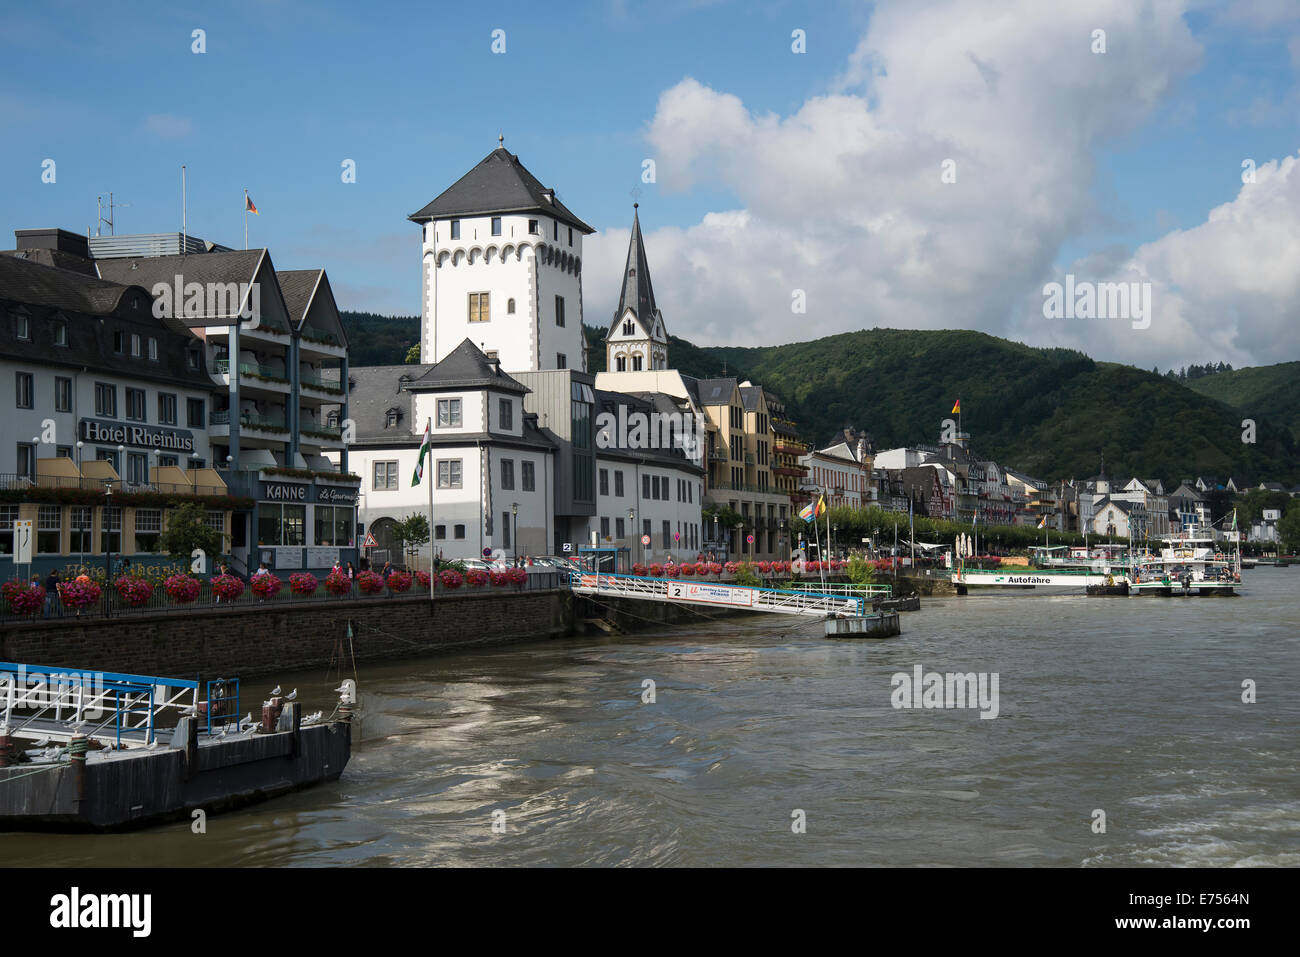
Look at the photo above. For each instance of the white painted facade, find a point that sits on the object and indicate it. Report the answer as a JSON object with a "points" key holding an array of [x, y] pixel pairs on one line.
{"points": [[46, 430], [632, 347], [530, 272], [647, 497]]}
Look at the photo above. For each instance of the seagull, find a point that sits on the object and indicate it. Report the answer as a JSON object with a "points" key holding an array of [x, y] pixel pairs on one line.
{"points": [[152, 744], [342, 687], [41, 742], [313, 717], [275, 691], [246, 721], [291, 695]]}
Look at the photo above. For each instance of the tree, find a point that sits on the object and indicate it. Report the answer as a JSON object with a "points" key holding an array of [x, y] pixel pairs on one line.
{"points": [[1289, 530], [413, 533], [187, 530], [413, 354]]}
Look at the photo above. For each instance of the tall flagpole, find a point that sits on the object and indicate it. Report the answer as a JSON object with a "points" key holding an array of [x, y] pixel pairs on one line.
{"points": [[246, 246], [184, 226], [430, 472]]}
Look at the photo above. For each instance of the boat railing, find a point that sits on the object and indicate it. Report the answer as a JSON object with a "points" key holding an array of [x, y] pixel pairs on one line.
{"points": [[58, 704]]}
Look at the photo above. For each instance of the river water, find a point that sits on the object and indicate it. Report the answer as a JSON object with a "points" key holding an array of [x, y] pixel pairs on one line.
{"points": [[1132, 707]]}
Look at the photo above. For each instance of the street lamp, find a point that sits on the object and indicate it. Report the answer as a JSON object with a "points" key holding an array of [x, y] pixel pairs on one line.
{"points": [[834, 531], [514, 535], [631, 527], [740, 538], [106, 529]]}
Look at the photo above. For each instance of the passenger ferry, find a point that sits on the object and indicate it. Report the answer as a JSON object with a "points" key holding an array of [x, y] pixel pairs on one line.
{"points": [[1188, 565]]}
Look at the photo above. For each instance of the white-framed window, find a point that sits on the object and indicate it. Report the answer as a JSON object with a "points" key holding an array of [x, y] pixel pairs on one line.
{"points": [[166, 408], [49, 529], [148, 528], [24, 330], [385, 476], [135, 405], [62, 394], [449, 414], [26, 389], [135, 345], [60, 333], [106, 399], [450, 476], [153, 349]]}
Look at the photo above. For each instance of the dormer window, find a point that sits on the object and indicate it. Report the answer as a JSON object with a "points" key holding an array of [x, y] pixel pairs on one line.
{"points": [[332, 420], [391, 417], [60, 333], [24, 328]]}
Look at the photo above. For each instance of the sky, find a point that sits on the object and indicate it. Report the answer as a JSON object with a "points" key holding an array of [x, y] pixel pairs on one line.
{"points": [[817, 168]]}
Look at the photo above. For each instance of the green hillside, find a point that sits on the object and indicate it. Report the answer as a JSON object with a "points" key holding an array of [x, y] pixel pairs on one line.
{"points": [[375, 340], [1050, 412], [1260, 392]]}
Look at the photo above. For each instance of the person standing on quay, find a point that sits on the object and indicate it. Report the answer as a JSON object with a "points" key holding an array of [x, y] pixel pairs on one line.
{"points": [[52, 602]]}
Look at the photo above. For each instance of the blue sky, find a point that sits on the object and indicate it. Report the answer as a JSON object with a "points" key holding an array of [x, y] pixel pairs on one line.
{"points": [[414, 94]]}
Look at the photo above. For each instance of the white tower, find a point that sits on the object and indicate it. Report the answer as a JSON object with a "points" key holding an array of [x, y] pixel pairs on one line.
{"points": [[502, 266], [637, 339]]}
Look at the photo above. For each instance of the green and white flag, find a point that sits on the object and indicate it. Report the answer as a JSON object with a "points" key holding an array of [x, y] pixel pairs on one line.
{"points": [[424, 451]]}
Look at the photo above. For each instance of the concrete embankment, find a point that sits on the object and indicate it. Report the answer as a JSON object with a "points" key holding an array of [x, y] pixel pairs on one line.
{"points": [[249, 641]]}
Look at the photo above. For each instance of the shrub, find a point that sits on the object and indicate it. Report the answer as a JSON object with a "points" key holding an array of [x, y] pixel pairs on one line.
{"points": [[266, 586], [227, 587], [372, 583], [399, 582], [861, 572], [182, 589], [745, 575], [303, 583]]}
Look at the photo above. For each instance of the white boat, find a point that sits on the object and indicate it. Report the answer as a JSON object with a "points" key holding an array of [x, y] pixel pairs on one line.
{"points": [[1187, 565]]}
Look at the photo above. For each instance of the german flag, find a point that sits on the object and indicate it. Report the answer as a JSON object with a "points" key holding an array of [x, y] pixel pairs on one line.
{"points": [[248, 205], [956, 408]]}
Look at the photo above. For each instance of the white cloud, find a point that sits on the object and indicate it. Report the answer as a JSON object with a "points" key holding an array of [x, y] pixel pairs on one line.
{"points": [[843, 197]]}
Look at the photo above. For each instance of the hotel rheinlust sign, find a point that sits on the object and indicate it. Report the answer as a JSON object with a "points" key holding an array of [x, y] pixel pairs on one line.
{"points": [[137, 436]]}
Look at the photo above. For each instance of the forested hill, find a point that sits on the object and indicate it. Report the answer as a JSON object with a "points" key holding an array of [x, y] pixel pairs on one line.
{"points": [[1050, 412], [1268, 391]]}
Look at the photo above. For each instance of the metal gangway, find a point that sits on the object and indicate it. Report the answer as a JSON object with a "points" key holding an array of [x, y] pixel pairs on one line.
{"points": [[687, 592], [869, 592], [53, 705]]}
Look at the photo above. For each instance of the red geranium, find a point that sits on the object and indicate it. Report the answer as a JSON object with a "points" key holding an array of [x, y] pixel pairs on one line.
{"points": [[731, 568], [338, 583], [517, 576], [688, 569], [715, 568], [500, 579], [303, 583], [656, 570], [476, 578], [672, 570], [450, 579], [638, 569], [182, 588], [227, 587], [399, 582], [266, 586], [28, 599], [422, 579], [134, 591], [372, 583]]}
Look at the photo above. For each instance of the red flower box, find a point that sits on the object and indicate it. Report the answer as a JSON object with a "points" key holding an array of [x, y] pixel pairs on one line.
{"points": [[227, 587], [338, 583], [688, 569], [399, 582], [638, 569], [181, 589], [266, 586], [673, 570], [134, 591], [517, 576], [656, 570], [715, 568], [450, 579], [422, 580], [28, 599]]}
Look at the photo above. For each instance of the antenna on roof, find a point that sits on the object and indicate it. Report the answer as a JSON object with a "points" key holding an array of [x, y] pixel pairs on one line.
{"points": [[184, 229], [100, 220]]}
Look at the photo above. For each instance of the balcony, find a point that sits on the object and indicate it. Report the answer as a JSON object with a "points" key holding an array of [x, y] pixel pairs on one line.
{"points": [[790, 448], [262, 423], [255, 375], [719, 455], [310, 380]]}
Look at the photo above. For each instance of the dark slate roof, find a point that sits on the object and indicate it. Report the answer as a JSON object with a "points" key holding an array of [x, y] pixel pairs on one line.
{"points": [[715, 391], [466, 367], [25, 280], [58, 258], [297, 287], [609, 402], [637, 294], [498, 184], [376, 389], [239, 265], [749, 397]]}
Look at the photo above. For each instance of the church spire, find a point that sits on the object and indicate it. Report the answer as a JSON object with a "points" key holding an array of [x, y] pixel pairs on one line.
{"points": [[638, 295]]}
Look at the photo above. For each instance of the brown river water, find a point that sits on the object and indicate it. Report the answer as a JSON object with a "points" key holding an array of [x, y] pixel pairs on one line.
{"points": [[1129, 706]]}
